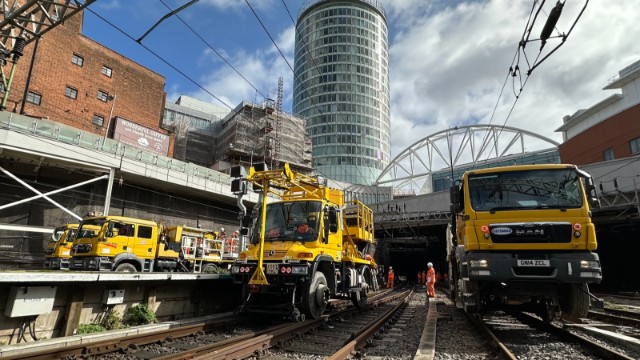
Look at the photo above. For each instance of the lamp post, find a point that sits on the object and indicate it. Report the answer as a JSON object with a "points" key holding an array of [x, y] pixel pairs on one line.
{"points": [[113, 104]]}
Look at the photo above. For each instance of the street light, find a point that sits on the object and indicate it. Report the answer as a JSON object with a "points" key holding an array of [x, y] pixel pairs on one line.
{"points": [[113, 104]]}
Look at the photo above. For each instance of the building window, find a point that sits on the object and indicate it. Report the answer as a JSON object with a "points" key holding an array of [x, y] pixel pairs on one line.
{"points": [[634, 146], [103, 95], [71, 92], [608, 154], [34, 98], [77, 60], [97, 120], [106, 71]]}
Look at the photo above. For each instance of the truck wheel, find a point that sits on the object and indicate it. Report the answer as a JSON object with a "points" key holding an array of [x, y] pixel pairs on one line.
{"points": [[359, 303], [370, 279], [126, 267], [316, 296], [574, 301]]}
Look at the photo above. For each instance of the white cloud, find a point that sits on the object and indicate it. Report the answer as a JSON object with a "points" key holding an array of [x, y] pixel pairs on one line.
{"points": [[449, 60], [448, 65]]}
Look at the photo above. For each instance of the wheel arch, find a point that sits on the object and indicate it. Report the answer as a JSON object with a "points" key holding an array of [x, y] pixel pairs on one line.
{"points": [[129, 259], [325, 264]]}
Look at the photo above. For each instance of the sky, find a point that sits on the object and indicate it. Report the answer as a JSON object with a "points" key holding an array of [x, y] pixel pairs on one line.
{"points": [[449, 60]]}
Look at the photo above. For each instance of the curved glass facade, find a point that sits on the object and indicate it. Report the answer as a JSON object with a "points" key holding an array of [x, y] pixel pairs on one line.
{"points": [[341, 87]]}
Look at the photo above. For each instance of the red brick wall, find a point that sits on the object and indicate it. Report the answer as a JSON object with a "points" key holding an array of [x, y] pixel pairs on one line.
{"points": [[139, 91], [615, 132]]}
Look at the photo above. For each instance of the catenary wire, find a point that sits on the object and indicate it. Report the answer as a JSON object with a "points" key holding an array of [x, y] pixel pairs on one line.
{"points": [[215, 51], [160, 58]]}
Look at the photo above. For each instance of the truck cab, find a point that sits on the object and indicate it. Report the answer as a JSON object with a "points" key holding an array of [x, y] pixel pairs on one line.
{"points": [[524, 234], [121, 244], [58, 251]]}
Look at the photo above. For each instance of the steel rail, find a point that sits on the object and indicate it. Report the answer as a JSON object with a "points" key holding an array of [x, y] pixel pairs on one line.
{"points": [[564, 333], [614, 318], [107, 346], [491, 336], [239, 348], [359, 338]]}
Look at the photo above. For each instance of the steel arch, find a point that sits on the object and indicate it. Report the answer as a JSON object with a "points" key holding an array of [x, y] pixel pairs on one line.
{"points": [[470, 145]]}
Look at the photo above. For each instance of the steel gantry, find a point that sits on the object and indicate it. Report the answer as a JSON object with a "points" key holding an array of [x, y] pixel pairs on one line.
{"points": [[463, 146]]}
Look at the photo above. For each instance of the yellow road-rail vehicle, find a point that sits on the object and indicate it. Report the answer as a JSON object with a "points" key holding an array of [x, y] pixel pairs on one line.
{"points": [[522, 236], [307, 245], [58, 251], [127, 244]]}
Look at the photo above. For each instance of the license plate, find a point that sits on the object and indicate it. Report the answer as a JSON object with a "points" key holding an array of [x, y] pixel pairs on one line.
{"points": [[534, 263], [272, 268]]}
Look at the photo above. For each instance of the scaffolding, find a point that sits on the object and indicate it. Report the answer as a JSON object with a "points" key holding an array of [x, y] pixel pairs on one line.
{"points": [[255, 133]]}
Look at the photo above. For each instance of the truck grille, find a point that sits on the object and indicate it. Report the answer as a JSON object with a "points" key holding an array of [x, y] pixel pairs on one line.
{"points": [[530, 233]]}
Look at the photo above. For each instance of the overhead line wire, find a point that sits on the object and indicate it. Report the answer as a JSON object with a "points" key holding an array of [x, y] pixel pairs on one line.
{"points": [[160, 58], [215, 51]]}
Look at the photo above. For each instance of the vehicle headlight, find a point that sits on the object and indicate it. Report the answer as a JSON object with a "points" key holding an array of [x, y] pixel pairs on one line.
{"points": [[478, 263], [589, 264]]}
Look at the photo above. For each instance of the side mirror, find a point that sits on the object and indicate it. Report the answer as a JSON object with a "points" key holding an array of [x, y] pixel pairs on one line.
{"points": [[333, 220], [238, 186], [244, 231], [454, 195], [246, 221], [238, 172]]}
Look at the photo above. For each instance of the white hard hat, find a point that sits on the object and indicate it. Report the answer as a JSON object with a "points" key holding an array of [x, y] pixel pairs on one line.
{"points": [[221, 229], [430, 265], [390, 267]]}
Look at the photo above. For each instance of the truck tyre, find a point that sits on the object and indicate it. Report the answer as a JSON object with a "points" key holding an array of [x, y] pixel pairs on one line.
{"points": [[574, 301], [359, 303], [316, 296], [126, 267], [370, 279]]}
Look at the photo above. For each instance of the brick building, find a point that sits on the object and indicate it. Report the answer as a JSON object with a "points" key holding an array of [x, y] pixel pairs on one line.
{"points": [[609, 129], [79, 82]]}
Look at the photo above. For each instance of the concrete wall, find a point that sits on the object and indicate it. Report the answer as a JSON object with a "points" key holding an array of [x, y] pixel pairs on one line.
{"points": [[81, 303]]}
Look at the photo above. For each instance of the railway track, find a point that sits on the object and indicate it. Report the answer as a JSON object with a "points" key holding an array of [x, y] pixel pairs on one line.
{"points": [[230, 337], [522, 336], [342, 341]]}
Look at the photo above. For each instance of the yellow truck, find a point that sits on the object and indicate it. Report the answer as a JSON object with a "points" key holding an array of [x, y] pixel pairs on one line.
{"points": [[127, 244], [522, 238], [58, 251], [307, 245]]}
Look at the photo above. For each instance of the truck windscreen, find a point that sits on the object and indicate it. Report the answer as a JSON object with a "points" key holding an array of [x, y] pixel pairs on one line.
{"points": [[292, 221], [525, 190]]}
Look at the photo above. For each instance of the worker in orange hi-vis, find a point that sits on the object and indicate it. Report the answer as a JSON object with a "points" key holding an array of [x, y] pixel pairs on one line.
{"points": [[390, 278], [419, 278], [431, 281]]}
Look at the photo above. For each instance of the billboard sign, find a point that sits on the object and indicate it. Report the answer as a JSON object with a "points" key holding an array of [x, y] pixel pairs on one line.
{"points": [[140, 136]]}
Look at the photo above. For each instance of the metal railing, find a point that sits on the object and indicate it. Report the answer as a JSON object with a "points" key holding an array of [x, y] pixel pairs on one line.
{"points": [[84, 139]]}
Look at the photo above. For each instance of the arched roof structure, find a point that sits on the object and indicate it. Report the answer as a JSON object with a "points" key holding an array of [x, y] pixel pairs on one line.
{"points": [[468, 146]]}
